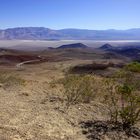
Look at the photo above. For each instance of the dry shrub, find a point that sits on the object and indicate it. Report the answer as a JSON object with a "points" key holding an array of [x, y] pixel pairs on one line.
{"points": [[78, 89], [111, 99]]}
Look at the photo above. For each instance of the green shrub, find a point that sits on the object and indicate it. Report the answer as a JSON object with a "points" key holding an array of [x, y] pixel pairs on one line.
{"points": [[129, 78], [123, 100], [134, 67], [130, 106]]}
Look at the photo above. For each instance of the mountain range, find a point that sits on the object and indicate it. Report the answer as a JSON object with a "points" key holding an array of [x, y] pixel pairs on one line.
{"points": [[41, 33]]}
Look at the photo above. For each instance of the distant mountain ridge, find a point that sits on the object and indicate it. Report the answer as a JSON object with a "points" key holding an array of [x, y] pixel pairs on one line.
{"points": [[41, 33]]}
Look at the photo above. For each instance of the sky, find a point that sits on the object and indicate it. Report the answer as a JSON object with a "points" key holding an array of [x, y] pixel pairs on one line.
{"points": [[59, 14]]}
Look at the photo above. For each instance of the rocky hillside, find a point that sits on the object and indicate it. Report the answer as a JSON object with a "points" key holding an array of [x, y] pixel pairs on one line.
{"points": [[132, 52]]}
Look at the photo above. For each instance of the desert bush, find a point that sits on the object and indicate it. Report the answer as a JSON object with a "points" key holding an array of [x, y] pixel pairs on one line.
{"points": [[134, 67], [128, 77], [78, 88], [130, 105], [123, 100]]}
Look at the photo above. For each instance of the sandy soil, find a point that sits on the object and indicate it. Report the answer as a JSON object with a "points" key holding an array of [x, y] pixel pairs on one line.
{"points": [[35, 111]]}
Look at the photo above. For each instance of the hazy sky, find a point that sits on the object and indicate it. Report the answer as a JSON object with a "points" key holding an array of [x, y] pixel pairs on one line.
{"points": [[57, 14]]}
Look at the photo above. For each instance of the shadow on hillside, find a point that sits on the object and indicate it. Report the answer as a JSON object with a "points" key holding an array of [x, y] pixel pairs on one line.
{"points": [[95, 130], [90, 68]]}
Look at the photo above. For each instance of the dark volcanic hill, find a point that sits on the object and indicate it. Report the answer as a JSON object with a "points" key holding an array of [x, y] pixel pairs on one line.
{"points": [[73, 46], [106, 47], [41, 33], [132, 52]]}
